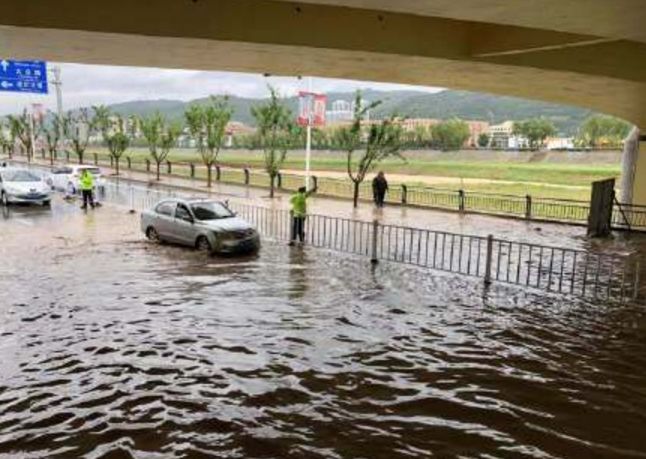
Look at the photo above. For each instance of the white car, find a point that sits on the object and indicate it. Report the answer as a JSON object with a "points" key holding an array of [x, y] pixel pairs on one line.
{"points": [[67, 177], [23, 186]]}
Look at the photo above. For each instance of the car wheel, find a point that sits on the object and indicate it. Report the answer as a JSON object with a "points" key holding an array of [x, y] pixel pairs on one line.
{"points": [[203, 245], [47, 203], [4, 199], [153, 235]]}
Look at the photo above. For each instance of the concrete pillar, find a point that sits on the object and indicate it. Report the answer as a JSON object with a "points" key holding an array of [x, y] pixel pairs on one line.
{"points": [[639, 176], [629, 163]]}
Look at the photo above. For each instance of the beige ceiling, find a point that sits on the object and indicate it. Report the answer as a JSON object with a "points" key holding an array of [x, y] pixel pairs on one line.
{"points": [[499, 46], [603, 18]]}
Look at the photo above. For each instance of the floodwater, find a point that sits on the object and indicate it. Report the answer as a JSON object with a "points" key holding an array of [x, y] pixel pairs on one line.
{"points": [[112, 347]]}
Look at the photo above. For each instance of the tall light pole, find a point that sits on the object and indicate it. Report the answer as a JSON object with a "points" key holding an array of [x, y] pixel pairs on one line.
{"points": [[56, 71]]}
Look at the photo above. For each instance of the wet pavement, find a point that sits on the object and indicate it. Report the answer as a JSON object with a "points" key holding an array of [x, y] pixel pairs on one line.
{"points": [[112, 347]]}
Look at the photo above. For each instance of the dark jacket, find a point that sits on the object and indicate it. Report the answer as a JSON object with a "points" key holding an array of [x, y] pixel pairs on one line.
{"points": [[379, 185]]}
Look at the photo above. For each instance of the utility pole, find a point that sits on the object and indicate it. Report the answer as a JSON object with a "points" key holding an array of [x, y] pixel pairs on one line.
{"points": [[59, 99], [308, 142]]}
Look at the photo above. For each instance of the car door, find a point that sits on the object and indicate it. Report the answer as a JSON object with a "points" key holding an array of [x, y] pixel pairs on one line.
{"points": [[184, 225], [163, 219]]}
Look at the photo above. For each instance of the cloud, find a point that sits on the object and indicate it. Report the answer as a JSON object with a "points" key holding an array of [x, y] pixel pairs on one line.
{"points": [[85, 85]]}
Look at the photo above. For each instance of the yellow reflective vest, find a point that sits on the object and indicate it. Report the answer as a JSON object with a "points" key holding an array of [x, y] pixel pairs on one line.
{"points": [[86, 182]]}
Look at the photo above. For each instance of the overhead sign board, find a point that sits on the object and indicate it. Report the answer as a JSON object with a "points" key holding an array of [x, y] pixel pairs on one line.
{"points": [[23, 76], [311, 109]]}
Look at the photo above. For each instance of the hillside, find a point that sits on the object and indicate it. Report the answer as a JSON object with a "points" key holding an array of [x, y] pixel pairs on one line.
{"points": [[412, 104]]}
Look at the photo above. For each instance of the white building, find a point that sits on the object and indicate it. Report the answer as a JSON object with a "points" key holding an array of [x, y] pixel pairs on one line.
{"points": [[502, 136], [342, 111]]}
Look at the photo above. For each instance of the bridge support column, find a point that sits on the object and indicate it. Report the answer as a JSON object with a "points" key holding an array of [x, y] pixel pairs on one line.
{"points": [[633, 180]]}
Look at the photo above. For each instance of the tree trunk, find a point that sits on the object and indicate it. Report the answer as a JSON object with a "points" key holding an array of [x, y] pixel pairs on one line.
{"points": [[51, 157], [158, 167], [80, 155], [209, 173], [271, 185], [355, 198], [116, 160]]}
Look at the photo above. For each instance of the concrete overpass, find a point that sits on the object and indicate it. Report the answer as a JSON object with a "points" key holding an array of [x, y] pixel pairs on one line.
{"points": [[590, 53]]}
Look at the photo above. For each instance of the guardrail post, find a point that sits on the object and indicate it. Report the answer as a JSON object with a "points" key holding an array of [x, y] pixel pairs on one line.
{"points": [[528, 207], [246, 176], [279, 180], [193, 170], [404, 194], [487, 278], [636, 281], [169, 168], [96, 159], [461, 200], [132, 199], [375, 232], [147, 165], [129, 162], [315, 182], [218, 173]]}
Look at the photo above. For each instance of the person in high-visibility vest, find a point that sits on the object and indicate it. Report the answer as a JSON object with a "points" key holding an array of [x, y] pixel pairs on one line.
{"points": [[299, 213], [86, 184]]}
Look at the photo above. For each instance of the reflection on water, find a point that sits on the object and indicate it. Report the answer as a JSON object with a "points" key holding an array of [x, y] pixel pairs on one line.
{"points": [[114, 347]]}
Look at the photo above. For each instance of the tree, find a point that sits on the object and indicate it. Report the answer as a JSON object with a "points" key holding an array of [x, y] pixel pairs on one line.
{"points": [[275, 134], [53, 132], [207, 125], [380, 141], [160, 137], [78, 128], [117, 140], [450, 134], [6, 141], [535, 130], [483, 140], [114, 133], [598, 130], [21, 128]]}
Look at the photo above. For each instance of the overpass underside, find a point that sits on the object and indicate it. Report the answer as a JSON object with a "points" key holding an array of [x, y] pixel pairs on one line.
{"points": [[590, 53]]}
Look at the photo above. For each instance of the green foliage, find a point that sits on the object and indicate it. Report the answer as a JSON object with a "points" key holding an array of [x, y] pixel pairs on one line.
{"points": [[602, 130], [275, 133], [207, 125], [483, 140], [535, 130], [102, 119], [53, 131], [6, 143], [160, 137], [21, 128], [380, 141], [78, 128], [450, 135]]}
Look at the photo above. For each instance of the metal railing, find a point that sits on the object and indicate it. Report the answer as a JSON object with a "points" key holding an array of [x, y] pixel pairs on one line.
{"points": [[524, 207], [494, 260]]}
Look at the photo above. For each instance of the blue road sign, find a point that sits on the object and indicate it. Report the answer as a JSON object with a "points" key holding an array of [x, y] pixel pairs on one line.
{"points": [[23, 76]]}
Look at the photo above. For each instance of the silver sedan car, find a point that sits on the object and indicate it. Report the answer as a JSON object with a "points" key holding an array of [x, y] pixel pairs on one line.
{"points": [[22, 186], [209, 226]]}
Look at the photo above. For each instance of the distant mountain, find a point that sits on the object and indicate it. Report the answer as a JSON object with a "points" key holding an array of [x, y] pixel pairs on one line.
{"points": [[411, 104]]}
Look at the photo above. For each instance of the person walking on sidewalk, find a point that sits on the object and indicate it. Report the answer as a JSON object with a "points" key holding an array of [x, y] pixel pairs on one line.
{"points": [[298, 202], [379, 189], [86, 184]]}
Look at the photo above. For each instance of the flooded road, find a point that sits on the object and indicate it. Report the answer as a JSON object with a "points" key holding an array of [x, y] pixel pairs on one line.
{"points": [[112, 347]]}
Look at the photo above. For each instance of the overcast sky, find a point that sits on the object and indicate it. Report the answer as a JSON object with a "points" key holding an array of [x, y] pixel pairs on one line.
{"points": [[96, 84]]}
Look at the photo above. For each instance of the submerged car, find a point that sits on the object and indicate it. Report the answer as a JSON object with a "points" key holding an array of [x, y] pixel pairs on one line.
{"points": [[66, 178], [23, 186], [208, 226]]}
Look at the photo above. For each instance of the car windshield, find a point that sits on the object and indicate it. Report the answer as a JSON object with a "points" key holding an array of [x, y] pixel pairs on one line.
{"points": [[20, 176], [210, 211], [91, 170]]}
